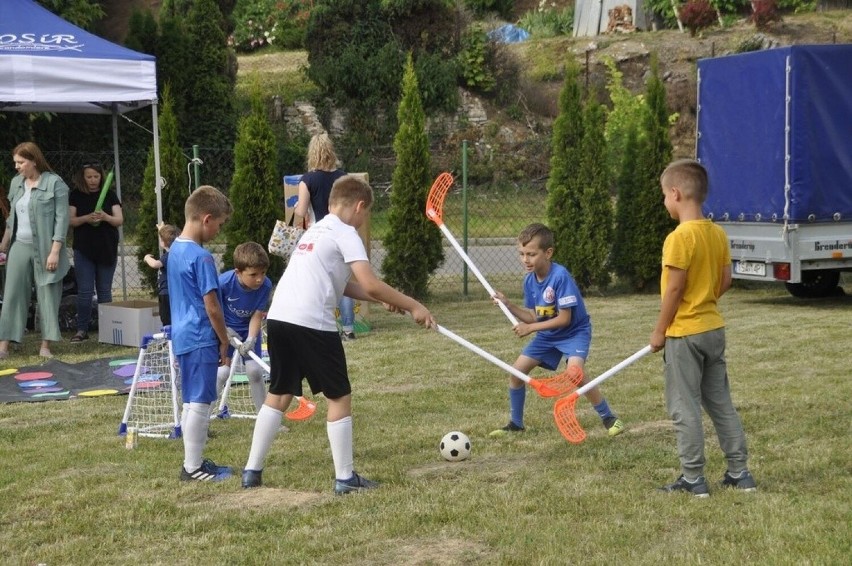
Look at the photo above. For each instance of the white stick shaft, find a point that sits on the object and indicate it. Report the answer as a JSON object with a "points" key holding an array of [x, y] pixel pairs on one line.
{"points": [[472, 266], [614, 370], [477, 350], [263, 365]]}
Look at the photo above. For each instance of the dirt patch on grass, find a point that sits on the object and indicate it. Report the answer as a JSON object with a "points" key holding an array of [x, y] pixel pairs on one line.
{"points": [[268, 498]]}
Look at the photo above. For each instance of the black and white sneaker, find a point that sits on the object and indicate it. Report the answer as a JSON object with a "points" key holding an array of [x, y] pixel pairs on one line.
{"points": [[698, 488], [743, 481], [208, 471]]}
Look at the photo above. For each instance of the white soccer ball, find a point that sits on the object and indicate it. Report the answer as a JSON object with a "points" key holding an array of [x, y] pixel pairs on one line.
{"points": [[455, 446]]}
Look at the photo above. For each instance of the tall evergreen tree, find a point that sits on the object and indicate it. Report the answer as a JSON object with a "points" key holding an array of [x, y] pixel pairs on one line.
{"points": [[209, 90], [627, 220], [173, 195], [563, 185], [255, 204], [654, 154], [142, 32], [174, 54], [595, 211], [413, 243]]}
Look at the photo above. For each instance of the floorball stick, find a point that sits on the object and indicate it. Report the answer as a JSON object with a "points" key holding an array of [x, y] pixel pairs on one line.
{"points": [[435, 213], [306, 407], [551, 387], [563, 410]]}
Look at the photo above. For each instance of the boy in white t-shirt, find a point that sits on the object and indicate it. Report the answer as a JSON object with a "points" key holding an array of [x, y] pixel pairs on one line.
{"points": [[302, 333]]}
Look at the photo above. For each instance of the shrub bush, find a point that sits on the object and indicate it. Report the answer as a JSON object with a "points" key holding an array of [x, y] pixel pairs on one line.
{"points": [[697, 15], [764, 12], [548, 21]]}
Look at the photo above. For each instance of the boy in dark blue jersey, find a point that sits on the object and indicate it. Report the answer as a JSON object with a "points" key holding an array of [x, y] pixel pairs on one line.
{"points": [[555, 311], [244, 293], [199, 336]]}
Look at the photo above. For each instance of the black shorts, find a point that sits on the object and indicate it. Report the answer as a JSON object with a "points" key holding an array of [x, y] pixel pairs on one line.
{"points": [[297, 352]]}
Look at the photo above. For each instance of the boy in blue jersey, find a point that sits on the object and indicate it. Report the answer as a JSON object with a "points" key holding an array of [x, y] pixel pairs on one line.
{"points": [[555, 311], [199, 335], [244, 293]]}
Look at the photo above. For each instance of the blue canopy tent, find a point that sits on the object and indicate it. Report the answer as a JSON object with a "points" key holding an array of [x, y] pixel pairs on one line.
{"points": [[50, 65]]}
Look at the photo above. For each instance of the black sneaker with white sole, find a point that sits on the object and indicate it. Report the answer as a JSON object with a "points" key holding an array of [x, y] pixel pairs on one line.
{"points": [[697, 488], [743, 481]]}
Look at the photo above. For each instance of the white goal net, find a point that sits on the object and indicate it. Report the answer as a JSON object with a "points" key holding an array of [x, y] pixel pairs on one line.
{"points": [[152, 405]]}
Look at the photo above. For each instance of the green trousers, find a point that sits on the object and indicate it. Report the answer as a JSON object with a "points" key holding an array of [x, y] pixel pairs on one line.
{"points": [[20, 266]]}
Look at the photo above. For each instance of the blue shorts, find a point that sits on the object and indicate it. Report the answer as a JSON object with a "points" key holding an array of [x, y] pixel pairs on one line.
{"points": [[549, 353], [198, 370]]}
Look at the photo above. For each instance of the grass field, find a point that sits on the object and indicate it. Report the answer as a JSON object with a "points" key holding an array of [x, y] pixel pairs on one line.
{"points": [[70, 493]]}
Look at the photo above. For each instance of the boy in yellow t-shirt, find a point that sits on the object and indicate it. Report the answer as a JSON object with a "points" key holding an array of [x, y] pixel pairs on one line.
{"points": [[696, 272]]}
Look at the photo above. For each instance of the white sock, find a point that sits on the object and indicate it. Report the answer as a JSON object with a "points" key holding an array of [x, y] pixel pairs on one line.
{"points": [[340, 439], [256, 384], [265, 428], [221, 379], [197, 421]]}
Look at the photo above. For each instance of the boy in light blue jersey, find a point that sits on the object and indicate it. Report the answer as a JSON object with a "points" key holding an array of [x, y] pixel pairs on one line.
{"points": [[244, 292], [199, 336], [555, 311]]}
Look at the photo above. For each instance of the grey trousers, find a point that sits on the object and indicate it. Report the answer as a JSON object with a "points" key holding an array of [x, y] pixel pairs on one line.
{"points": [[17, 294], [697, 376]]}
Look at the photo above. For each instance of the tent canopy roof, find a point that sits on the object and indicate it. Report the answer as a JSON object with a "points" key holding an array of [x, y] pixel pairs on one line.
{"points": [[50, 65]]}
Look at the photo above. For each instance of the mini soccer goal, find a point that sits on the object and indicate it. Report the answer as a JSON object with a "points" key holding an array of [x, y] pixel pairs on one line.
{"points": [[152, 405], [236, 398]]}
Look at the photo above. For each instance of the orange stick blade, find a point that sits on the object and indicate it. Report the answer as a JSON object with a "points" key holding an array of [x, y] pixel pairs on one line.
{"points": [[304, 411], [436, 196], [543, 389], [566, 419], [566, 381]]}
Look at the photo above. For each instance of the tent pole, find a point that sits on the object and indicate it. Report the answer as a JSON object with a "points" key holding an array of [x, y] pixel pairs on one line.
{"points": [[116, 161], [158, 182]]}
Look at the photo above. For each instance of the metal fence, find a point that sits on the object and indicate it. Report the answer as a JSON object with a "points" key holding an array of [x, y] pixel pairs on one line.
{"points": [[484, 217]]}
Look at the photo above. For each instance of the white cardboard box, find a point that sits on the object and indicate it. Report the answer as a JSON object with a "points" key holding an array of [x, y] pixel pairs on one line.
{"points": [[126, 322]]}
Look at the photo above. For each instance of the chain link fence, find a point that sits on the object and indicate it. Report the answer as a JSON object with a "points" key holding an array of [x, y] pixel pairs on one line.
{"points": [[484, 217]]}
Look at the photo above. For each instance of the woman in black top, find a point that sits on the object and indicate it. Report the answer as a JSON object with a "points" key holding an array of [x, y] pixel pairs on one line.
{"points": [[95, 242]]}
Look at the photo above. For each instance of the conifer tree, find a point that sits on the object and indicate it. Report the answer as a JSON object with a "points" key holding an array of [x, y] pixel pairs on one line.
{"points": [[413, 244], [209, 90], [142, 32], [563, 185], [252, 190], [173, 195], [591, 255], [627, 220], [654, 154]]}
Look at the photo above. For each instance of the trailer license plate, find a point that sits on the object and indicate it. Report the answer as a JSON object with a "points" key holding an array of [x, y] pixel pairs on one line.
{"points": [[750, 268]]}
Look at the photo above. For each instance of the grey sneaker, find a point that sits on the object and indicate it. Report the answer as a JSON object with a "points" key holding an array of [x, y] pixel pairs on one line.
{"points": [[252, 478], [347, 336], [743, 483], [698, 488], [355, 483]]}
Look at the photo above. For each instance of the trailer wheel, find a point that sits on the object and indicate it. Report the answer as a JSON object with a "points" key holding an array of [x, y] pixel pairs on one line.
{"points": [[815, 284]]}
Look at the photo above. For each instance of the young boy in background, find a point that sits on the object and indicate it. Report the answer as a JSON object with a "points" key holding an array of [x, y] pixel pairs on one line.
{"points": [[167, 234], [199, 336], [302, 335], [555, 311], [696, 273], [244, 293]]}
